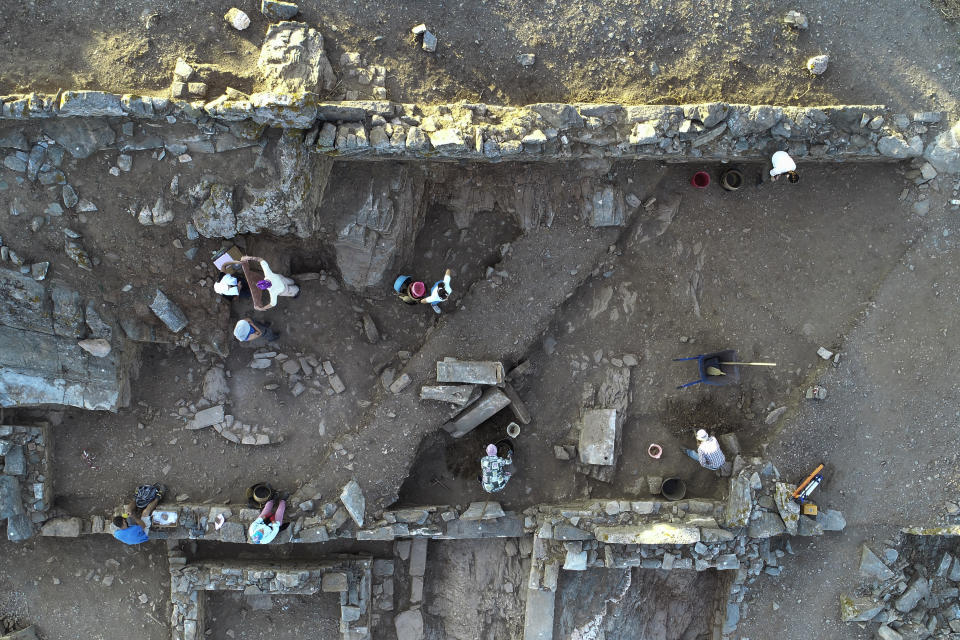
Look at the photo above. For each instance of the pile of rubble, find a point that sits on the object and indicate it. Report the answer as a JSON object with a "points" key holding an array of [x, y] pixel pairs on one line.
{"points": [[25, 487], [474, 390], [911, 601]]}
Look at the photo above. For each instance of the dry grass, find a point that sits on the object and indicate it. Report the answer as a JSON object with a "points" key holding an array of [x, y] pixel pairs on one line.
{"points": [[949, 8]]}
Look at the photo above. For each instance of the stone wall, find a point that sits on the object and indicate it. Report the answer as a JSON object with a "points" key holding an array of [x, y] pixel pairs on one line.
{"points": [[25, 486], [349, 576], [540, 132]]}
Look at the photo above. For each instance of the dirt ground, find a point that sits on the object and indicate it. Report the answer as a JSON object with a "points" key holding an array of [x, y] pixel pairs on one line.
{"points": [[777, 278], [86, 588], [668, 51], [232, 615]]}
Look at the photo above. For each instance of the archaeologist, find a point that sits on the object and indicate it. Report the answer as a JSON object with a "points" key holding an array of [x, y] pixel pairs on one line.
{"points": [[268, 524], [780, 163], [147, 497], [439, 292], [708, 452], [273, 283], [230, 285], [409, 290], [248, 329], [493, 477]]}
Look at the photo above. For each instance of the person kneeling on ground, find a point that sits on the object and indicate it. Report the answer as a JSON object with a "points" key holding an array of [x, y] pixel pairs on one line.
{"points": [[247, 330], [268, 524], [780, 163], [138, 532], [492, 474], [708, 452]]}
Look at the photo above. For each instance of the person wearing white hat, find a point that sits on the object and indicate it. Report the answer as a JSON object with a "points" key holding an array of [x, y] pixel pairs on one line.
{"points": [[248, 329], [708, 452]]}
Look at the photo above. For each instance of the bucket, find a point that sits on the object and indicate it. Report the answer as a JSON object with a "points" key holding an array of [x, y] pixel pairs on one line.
{"points": [[700, 180], [731, 180], [673, 489], [262, 493], [513, 430]]}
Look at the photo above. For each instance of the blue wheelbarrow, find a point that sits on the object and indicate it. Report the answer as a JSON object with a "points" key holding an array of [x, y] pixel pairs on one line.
{"points": [[725, 361]]}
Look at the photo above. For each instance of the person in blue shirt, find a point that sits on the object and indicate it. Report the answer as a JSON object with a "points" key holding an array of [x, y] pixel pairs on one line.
{"points": [[137, 532]]}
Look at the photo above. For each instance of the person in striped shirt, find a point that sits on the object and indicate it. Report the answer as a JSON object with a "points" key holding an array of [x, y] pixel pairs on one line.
{"points": [[708, 452]]}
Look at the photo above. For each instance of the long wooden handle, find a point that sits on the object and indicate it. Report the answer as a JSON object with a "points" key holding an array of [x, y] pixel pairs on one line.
{"points": [[753, 364]]}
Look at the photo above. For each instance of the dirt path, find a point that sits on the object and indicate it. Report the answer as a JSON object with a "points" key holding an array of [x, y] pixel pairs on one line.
{"points": [[556, 260]]}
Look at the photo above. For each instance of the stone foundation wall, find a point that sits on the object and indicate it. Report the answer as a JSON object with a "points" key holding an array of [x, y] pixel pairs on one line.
{"points": [[349, 576], [25, 486], [715, 131]]}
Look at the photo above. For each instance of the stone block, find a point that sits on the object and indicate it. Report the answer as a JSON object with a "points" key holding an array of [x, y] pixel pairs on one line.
{"points": [[470, 372], [168, 313], [483, 511], [872, 566], [62, 527], [292, 60], [15, 462], [739, 502], [233, 532], [789, 510], [11, 502], [492, 401], [652, 533], [19, 527], [919, 589], [459, 394], [539, 617], [277, 11], [598, 436], [334, 582], [207, 417], [855, 609], [575, 561], [353, 501], [409, 625], [418, 557], [767, 525], [90, 103]]}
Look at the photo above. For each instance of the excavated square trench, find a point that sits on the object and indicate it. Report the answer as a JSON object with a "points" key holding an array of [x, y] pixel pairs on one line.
{"points": [[769, 271]]}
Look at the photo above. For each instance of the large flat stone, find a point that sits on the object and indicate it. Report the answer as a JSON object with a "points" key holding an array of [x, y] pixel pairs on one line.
{"points": [[24, 303], [488, 510], [11, 502], [538, 620], [90, 103], [418, 557], [352, 498], [207, 417], [598, 436], [470, 372], [168, 312], [652, 533], [872, 566], [508, 526], [789, 510], [292, 60], [81, 136], [739, 502], [19, 527], [62, 527], [767, 525], [919, 589], [409, 625], [15, 462], [492, 401]]}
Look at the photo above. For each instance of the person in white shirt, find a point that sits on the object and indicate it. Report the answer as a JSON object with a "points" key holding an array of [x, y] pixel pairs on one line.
{"points": [[781, 163], [230, 285], [439, 292]]}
